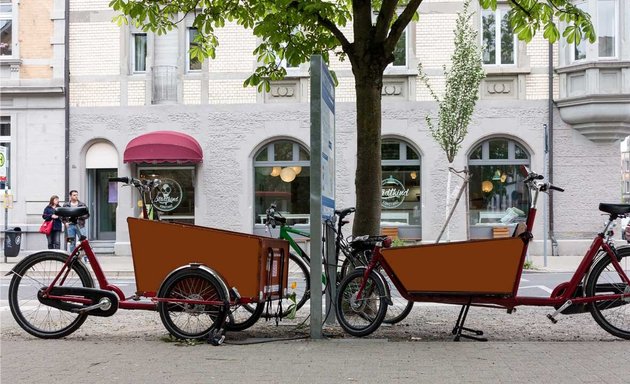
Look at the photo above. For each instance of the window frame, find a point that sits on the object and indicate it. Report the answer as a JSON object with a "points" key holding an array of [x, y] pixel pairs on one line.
{"points": [[406, 33], [403, 161], [165, 215], [133, 52], [13, 17], [189, 43], [272, 162], [499, 13], [616, 31]]}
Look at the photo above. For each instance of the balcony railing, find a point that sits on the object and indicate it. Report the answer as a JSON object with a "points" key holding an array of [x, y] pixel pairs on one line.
{"points": [[164, 84]]}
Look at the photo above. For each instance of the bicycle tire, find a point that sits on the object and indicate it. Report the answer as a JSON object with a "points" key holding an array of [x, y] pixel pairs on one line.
{"points": [[400, 308], [361, 317], [192, 321], [612, 315], [34, 273]]}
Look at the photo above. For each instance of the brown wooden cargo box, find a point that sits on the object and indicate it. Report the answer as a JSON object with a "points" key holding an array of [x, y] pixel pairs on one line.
{"points": [[242, 260], [488, 267]]}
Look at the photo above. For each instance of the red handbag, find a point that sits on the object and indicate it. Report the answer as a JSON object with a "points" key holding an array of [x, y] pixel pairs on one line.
{"points": [[46, 227]]}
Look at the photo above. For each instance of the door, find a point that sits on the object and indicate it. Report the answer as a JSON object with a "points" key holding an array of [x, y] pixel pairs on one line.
{"points": [[103, 198]]}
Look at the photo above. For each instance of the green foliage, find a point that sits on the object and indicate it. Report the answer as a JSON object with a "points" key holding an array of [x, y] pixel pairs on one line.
{"points": [[462, 88], [396, 242]]}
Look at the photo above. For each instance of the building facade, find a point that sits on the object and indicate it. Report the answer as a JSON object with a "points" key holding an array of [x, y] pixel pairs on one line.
{"points": [[32, 112], [254, 147]]}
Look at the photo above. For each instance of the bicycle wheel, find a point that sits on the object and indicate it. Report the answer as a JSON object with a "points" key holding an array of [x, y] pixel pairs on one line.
{"points": [[612, 315], [400, 307], [31, 276], [192, 321], [242, 317], [360, 317]]}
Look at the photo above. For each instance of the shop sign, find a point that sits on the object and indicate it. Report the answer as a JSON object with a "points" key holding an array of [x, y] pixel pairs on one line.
{"points": [[168, 195], [393, 193]]}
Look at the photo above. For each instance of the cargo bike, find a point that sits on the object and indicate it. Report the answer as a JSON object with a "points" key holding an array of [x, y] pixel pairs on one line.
{"points": [[194, 276], [487, 273]]}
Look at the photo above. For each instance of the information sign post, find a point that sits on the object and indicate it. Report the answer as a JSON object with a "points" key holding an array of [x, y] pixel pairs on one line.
{"points": [[322, 184]]}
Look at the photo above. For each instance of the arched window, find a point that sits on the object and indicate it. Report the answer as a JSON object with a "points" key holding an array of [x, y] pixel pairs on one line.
{"points": [[496, 187], [400, 201], [282, 177]]}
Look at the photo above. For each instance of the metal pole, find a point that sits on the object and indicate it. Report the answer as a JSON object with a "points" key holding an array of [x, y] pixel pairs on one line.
{"points": [[6, 217]]}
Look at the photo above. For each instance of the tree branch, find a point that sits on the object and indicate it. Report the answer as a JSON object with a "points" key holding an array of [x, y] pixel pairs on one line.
{"points": [[384, 18], [329, 25], [400, 24], [519, 6]]}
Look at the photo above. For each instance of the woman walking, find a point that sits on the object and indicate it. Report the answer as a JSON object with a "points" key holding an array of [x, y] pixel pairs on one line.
{"points": [[49, 214]]}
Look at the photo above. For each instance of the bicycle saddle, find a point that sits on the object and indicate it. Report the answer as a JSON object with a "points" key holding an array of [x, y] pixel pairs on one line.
{"points": [[71, 212], [615, 209]]}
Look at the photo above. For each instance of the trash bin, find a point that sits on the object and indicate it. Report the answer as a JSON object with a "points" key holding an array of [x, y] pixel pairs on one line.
{"points": [[12, 241]]}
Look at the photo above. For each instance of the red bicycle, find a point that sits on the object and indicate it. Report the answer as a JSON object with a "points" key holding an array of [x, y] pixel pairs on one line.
{"points": [[487, 273], [52, 293]]}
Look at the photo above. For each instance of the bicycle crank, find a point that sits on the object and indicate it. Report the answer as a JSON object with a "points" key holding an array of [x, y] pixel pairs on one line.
{"points": [[105, 302]]}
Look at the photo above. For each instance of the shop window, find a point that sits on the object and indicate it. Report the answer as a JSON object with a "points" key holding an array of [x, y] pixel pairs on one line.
{"points": [[497, 38], [496, 188], [282, 177], [5, 154], [174, 198], [400, 50], [400, 200]]}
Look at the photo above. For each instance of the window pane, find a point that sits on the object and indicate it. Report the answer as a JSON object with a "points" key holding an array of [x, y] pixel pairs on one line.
{"points": [[390, 151], [606, 28], [262, 155], [507, 41], [488, 36], [5, 126], [193, 63], [285, 185], [283, 151], [400, 199], [400, 51], [476, 153], [140, 52], [6, 38], [498, 149], [494, 189], [579, 50], [176, 194], [411, 154], [520, 153]]}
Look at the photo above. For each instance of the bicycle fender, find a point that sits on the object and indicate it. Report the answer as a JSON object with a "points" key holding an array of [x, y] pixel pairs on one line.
{"points": [[380, 277], [204, 268], [18, 266]]}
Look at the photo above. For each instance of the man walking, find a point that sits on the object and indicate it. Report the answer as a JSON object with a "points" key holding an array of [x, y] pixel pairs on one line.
{"points": [[75, 226]]}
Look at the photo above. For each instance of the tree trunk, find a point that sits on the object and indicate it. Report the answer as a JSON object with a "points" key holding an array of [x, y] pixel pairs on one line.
{"points": [[368, 175]]}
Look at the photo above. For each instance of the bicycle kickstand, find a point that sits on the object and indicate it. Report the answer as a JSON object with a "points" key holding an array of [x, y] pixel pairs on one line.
{"points": [[459, 326]]}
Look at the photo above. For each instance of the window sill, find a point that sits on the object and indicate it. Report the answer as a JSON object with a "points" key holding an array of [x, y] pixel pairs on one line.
{"points": [[505, 70], [10, 61], [400, 71], [583, 65]]}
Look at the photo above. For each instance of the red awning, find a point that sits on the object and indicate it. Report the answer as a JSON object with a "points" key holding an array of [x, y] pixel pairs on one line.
{"points": [[163, 147]]}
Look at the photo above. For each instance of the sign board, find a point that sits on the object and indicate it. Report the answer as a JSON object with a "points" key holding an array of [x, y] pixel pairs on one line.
{"points": [[322, 182]]}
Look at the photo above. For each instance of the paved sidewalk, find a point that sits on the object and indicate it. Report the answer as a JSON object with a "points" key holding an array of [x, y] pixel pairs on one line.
{"points": [[122, 266]]}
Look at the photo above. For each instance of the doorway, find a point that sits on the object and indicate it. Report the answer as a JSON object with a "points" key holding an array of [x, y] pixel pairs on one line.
{"points": [[103, 197]]}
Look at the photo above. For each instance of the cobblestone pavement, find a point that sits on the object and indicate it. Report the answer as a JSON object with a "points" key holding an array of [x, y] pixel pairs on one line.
{"points": [[133, 347]]}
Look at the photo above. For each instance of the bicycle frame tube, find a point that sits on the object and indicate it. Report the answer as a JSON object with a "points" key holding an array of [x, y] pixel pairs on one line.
{"points": [[285, 232]]}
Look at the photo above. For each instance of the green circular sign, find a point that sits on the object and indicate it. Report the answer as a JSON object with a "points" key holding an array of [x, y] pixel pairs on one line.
{"points": [[2, 159]]}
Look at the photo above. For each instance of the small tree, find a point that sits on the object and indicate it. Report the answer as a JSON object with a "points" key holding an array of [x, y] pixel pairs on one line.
{"points": [[462, 92]]}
